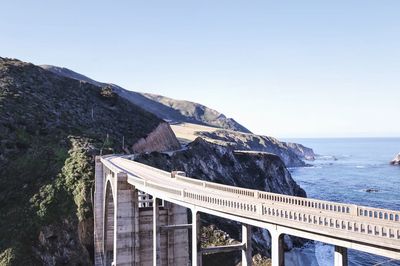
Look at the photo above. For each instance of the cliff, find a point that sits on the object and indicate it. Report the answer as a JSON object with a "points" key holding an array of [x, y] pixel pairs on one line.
{"points": [[222, 164], [244, 141], [50, 129], [300, 150], [160, 139]]}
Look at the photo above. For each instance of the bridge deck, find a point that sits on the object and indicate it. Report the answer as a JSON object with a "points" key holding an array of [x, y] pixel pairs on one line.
{"points": [[359, 227]]}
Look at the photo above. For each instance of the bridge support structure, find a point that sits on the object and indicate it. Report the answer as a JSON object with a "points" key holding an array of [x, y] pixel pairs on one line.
{"points": [[125, 233], [156, 233], [198, 251], [128, 226], [197, 256], [277, 254], [246, 241], [340, 256]]}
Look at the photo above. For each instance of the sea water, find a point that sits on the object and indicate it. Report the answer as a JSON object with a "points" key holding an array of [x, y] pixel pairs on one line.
{"points": [[343, 172]]}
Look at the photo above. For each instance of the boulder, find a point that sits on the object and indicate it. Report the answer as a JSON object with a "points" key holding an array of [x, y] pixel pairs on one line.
{"points": [[396, 160]]}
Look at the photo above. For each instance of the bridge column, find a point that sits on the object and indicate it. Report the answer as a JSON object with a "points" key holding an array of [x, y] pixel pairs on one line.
{"points": [[246, 240], [277, 254], [196, 244], [156, 234], [125, 232], [98, 213], [340, 256]]}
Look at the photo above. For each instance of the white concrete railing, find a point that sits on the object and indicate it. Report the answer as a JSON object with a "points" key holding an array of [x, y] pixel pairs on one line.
{"points": [[320, 205], [330, 218]]}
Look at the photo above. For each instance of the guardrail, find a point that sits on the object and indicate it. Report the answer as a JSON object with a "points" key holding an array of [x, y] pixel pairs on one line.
{"points": [[321, 205]]}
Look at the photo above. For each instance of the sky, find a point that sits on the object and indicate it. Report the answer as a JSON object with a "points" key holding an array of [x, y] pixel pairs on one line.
{"points": [[281, 68]]}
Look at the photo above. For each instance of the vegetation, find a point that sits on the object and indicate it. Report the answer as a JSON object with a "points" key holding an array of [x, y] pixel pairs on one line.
{"points": [[50, 130]]}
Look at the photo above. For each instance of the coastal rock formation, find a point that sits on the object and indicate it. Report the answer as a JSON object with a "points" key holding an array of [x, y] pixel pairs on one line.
{"points": [[300, 150], [252, 142], [222, 164], [396, 160]]}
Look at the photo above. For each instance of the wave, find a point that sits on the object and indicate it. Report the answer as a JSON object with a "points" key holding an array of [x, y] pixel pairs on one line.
{"points": [[324, 254], [313, 167]]}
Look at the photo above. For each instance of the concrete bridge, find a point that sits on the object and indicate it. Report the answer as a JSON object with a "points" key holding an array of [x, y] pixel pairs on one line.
{"points": [[141, 218]]}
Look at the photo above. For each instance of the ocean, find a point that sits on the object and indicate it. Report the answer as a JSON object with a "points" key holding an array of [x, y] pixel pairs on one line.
{"points": [[343, 171]]}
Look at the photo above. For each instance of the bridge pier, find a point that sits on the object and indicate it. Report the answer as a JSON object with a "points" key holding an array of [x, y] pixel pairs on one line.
{"points": [[277, 254], [156, 234], [197, 257], [126, 250], [246, 241], [98, 213], [340, 256]]}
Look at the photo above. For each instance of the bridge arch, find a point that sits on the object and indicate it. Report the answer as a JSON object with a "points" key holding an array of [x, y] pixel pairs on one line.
{"points": [[109, 230]]}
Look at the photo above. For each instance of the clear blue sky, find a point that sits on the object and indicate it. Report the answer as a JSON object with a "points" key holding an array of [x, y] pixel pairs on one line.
{"points": [[281, 68]]}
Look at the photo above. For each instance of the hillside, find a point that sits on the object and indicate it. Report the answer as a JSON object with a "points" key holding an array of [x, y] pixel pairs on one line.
{"points": [[166, 108], [50, 129], [193, 120]]}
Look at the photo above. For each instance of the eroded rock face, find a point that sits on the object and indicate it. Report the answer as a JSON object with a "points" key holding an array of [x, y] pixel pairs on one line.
{"points": [[290, 155], [301, 150], [222, 164], [396, 160], [58, 245], [161, 139]]}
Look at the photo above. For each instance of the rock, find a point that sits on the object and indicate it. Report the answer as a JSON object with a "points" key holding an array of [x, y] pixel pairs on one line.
{"points": [[253, 142], [396, 160], [301, 150], [160, 139]]}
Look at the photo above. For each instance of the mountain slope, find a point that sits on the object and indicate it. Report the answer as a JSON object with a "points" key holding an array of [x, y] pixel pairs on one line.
{"points": [[217, 128], [164, 107], [50, 129]]}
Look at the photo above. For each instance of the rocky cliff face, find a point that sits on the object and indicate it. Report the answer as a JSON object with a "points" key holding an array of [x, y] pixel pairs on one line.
{"points": [[252, 142], [50, 129], [300, 150], [222, 164], [160, 139], [396, 160], [225, 165]]}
